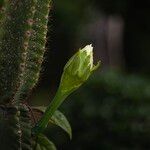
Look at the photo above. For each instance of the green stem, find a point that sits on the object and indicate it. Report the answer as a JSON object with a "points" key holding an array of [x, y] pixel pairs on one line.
{"points": [[56, 102]]}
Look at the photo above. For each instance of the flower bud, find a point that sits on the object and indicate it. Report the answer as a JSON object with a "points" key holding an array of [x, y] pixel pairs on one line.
{"points": [[76, 72], [78, 69]]}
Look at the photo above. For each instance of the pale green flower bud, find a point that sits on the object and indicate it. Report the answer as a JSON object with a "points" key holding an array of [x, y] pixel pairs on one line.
{"points": [[78, 69], [76, 72]]}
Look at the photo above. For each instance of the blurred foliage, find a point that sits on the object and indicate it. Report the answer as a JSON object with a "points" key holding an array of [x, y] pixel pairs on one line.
{"points": [[1, 2]]}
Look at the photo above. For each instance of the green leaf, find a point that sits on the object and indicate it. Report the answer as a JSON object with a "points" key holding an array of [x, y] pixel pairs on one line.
{"points": [[58, 119], [43, 143]]}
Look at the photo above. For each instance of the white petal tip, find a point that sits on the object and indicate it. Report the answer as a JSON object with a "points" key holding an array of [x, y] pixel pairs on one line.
{"points": [[88, 49]]}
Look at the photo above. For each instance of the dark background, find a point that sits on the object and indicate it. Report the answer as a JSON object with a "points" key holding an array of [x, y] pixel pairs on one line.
{"points": [[73, 24], [112, 110]]}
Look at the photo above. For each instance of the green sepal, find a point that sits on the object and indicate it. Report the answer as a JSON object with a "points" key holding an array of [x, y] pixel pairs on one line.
{"points": [[95, 67]]}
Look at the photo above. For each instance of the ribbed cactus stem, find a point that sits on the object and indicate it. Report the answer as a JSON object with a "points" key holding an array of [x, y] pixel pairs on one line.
{"points": [[36, 49], [15, 128], [13, 46], [9, 128], [23, 31], [25, 126]]}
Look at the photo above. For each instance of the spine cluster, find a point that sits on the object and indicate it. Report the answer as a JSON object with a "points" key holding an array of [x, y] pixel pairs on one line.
{"points": [[22, 45], [23, 30], [36, 49], [13, 46]]}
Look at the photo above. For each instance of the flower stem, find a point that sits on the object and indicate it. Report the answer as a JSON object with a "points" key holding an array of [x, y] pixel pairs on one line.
{"points": [[56, 102]]}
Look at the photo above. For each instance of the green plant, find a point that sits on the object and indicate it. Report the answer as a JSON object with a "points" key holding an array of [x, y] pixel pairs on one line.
{"points": [[23, 30]]}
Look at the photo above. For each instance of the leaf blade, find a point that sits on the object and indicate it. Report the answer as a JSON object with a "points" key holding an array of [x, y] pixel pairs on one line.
{"points": [[57, 119], [60, 120]]}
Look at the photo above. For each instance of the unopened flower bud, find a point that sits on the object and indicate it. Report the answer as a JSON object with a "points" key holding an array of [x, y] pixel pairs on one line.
{"points": [[76, 72], [78, 69]]}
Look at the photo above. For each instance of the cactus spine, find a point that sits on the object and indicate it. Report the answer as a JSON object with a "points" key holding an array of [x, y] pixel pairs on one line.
{"points": [[22, 46], [35, 50], [23, 30], [13, 46]]}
